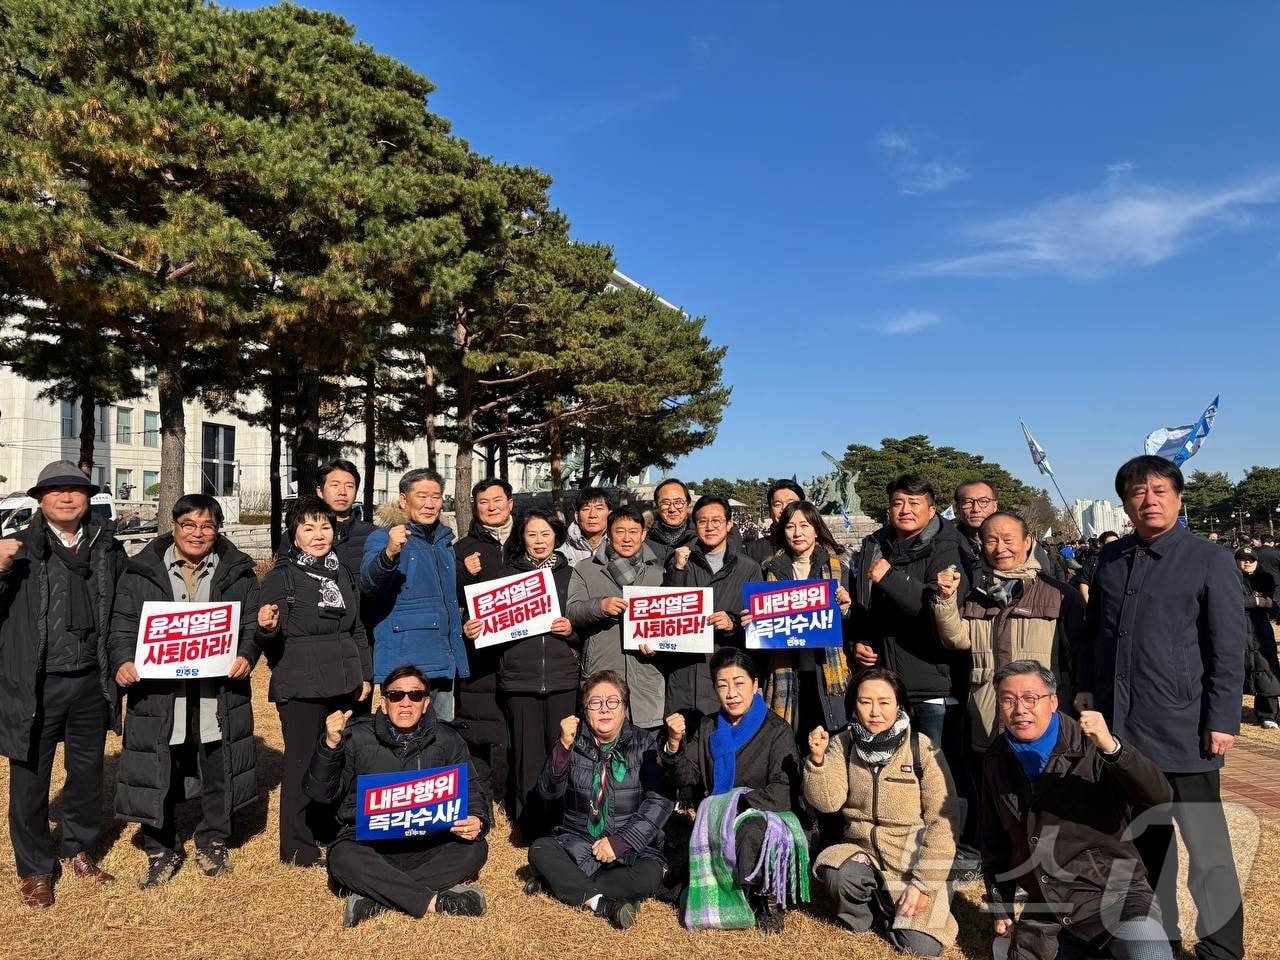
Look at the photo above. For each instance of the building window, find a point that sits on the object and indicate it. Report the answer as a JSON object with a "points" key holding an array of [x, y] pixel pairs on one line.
{"points": [[124, 482], [151, 428], [103, 433], [124, 425], [448, 461], [218, 460], [150, 478], [68, 420], [100, 476]]}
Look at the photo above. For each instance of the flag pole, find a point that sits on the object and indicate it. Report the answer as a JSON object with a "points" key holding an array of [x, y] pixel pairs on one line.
{"points": [[1070, 516]]}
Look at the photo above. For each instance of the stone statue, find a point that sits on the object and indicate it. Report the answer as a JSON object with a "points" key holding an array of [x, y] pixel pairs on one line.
{"points": [[837, 490]]}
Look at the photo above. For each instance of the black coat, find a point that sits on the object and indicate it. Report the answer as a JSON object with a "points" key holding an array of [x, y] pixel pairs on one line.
{"points": [[689, 685], [144, 771], [639, 805], [545, 663], [766, 764], [484, 662], [1262, 670], [368, 747], [24, 638], [316, 653], [895, 616], [1080, 807]]}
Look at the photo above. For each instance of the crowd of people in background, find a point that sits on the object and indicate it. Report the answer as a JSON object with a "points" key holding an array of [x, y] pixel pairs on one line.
{"points": [[1035, 716]]}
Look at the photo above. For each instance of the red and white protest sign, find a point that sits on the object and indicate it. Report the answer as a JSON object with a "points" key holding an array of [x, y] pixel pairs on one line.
{"points": [[522, 605], [670, 619], [183, 641]]}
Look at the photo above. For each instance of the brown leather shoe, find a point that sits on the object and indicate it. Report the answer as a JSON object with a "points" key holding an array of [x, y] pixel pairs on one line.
{"points": [[37, 891], [82, 866]]}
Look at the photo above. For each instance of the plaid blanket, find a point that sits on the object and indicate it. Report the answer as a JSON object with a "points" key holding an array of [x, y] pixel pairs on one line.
{"points": [[715, 901]]}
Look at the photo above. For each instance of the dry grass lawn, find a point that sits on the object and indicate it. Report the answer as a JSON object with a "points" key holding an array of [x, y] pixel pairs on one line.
{"points": [[264, 909]]}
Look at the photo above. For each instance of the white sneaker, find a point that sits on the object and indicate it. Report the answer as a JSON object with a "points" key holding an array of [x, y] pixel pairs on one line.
{"points": [[1270, 725]]}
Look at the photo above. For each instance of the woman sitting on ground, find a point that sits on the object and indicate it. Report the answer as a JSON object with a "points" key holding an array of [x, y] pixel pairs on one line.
{"points": [[748, 855], [606, 855], [901, 816]]}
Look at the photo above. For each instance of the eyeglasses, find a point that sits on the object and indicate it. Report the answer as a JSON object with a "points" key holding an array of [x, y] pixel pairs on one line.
{"points": [[710, 524], [596, 704], [1008, 701], [395, 696], [671, 504], [188, 526], [969, 502]]}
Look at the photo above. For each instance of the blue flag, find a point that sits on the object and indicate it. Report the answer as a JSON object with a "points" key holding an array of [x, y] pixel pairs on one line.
{"points": [[1180, 444]]}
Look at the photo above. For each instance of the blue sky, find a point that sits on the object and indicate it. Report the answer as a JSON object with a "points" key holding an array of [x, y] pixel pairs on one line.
{"points": [[911, 218]]}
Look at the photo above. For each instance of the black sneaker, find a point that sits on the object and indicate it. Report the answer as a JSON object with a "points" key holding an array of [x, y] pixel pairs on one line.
{"points": [[213, 860], [160, 870], [621, 913], [464, 900], [357, 909], [534, 885], [769, 916]]}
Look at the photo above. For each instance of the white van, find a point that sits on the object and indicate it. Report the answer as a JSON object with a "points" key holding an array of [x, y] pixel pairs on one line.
{"points": [[17, 510]]}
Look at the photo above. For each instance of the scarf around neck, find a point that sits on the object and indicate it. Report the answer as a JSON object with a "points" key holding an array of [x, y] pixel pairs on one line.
{"points": [[727, 739], [875, 749], [672, 537], [1033, 755], [501, 532], [610, 765], [323, 570], [624, 571]]}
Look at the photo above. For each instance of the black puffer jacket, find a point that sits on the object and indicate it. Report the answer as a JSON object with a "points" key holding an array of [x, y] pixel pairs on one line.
{"points": [[477, 697], [689, 685], [545, 663], [143, 776], [368, 746], [895, 616], [766, 764], [1261, 668], [639, 805], [316, 652], [24, 605], [1080, 807]]}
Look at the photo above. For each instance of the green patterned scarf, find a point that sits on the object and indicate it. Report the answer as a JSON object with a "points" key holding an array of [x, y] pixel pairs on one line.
{"points": [[616, 762]]}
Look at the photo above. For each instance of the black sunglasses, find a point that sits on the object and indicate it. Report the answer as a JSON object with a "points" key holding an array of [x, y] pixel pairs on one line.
{"points": [[395, 696]]}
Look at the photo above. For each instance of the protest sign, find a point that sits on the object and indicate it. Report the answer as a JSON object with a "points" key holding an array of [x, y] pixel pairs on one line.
{"points": [[670, 619], [792, 614], [509, 608], [185, 641], [410, 803]]}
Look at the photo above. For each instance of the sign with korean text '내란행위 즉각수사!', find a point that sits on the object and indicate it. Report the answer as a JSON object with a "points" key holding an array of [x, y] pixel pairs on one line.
{"points": [[511, 608], [410, 803], [669, 619], [186, 641], [792, 615]]}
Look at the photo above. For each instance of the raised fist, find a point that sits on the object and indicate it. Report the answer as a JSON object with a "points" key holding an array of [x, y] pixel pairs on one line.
{"points": [[9, 550], [675, 731], [269, 617], [334, 724], [681, 555], [472, 563], [397, 537], [568, 732], [948, 582], [818, 740]]}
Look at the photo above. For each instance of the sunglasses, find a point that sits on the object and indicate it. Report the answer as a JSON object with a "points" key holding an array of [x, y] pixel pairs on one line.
{"points": [[395, 696]]}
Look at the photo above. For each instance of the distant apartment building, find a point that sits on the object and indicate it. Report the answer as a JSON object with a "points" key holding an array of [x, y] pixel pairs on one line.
{"points": [[1097, 516]]}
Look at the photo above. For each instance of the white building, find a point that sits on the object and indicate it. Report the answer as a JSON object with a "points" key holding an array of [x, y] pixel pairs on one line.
{"points": [[1101, 515]]}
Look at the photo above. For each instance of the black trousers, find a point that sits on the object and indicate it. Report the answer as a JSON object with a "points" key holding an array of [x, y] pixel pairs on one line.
{"points": [[215, 822], [748, 840], [1211, 874], [570, 885], [71, 709], [303, 824], [534, 721], [405, 879]]}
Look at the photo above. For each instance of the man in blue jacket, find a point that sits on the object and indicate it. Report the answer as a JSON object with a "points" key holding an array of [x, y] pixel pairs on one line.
{"points": [[1164, 664], [409, 571]]}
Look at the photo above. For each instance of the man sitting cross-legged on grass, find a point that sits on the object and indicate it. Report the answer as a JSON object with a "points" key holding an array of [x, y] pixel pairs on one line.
{"points": [[417, 875]]}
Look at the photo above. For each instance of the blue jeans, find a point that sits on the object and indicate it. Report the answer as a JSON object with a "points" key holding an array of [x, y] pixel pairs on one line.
{"points": [[442, 698]]}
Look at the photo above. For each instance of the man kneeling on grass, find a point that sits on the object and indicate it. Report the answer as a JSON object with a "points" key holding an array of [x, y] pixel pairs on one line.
{"points": [[418, 874]]}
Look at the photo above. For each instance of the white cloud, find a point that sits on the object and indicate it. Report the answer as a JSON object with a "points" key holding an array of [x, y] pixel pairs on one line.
{"points": [[1120, 225], [916, 175], [909, 321]]}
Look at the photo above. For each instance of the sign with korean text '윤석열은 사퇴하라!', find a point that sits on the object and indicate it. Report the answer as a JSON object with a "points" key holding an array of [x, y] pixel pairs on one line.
{"points": [[510, 608], [669, 619], [186, 641]]}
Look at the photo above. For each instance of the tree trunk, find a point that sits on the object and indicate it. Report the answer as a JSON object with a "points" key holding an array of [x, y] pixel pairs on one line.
{"points": [[554, 445], [370, 437], [466, 428], [504, 461], [173, 431], [88, 425], [277, 497], [490, 459], [308, 450], [430, 425]]}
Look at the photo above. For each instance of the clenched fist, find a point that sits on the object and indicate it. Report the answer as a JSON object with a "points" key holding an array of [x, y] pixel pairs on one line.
{"points": [[675, 732], [269, 617], [681, 555], [948, 582], [127, 675], [9, 550], [568, 732], [334, 724], [613, 606], [818, 740], [472, 563], [397, 537], [1094, 727]]}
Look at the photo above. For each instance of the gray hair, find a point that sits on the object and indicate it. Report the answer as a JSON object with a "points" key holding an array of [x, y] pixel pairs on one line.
{"points": [[1025, 668], [420, 475]]}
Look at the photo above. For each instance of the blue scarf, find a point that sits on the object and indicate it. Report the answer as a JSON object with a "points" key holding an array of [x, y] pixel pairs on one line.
{"points": [[727, 739], [1034, 754]]}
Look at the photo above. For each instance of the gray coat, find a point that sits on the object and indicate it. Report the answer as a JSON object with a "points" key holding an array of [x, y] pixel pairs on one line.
{"points": [[602, 635]]}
